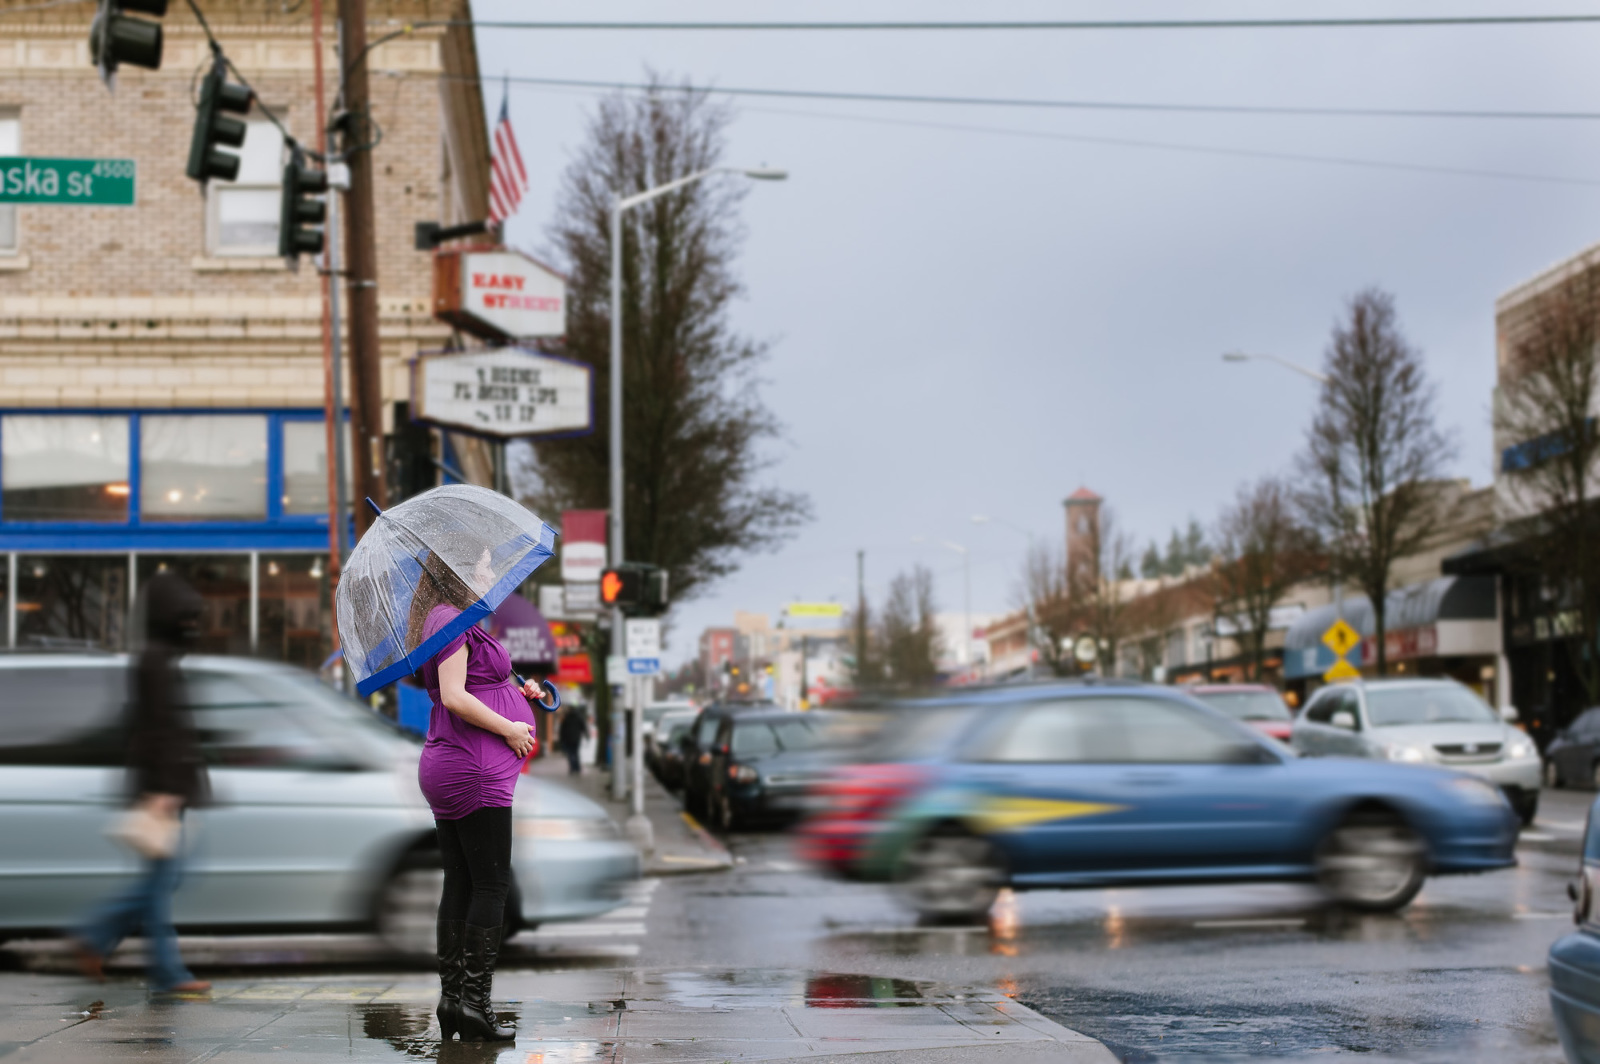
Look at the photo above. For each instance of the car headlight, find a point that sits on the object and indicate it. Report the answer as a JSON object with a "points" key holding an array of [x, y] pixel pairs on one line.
{"points": [[743, 774], [566, 829], [1408, 754], [1519, 750], [1475, 790]]}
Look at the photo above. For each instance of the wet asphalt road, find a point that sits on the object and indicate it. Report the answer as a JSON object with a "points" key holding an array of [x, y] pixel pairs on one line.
{"points": [[1259, 972]]}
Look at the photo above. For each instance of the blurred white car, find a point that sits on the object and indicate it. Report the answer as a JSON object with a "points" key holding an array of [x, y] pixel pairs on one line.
{"points": [[1423, 722], [316, 819]]}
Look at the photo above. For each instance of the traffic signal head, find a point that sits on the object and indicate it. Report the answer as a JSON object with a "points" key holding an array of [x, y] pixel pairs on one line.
{"points": [[114, 38], [300, 211], [213, 127], [636, 588]]}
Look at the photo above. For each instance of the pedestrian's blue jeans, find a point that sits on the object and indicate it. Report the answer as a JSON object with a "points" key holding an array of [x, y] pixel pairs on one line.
{"points": [[146, 903]]}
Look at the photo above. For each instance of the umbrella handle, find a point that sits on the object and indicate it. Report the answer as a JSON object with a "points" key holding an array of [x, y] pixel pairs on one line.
{"points": [[554, 694]]}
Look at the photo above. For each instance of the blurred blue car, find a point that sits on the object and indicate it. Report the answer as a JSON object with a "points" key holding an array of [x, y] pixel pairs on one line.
{"points": [[1575, 961], [1121, 784]]}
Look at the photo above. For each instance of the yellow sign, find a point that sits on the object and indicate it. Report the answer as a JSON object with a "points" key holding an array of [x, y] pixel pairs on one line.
{"points": [[1014, 814], [815, 609], [1341, 638], [1342, 670]]}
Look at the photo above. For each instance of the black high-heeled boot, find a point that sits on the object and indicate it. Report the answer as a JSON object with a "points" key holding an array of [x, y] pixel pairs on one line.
{"points": [[451, 973], [478, 1022]]}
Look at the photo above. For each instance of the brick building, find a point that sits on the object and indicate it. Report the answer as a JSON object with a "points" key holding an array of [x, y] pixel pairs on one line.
{"points": [[161, 370]]}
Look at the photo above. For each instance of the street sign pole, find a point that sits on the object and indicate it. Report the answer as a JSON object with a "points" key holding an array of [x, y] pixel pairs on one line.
{"points": [[642, 645]]}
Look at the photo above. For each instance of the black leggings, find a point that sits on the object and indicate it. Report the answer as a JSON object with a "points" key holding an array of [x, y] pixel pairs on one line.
{"points": [[476, 854]]}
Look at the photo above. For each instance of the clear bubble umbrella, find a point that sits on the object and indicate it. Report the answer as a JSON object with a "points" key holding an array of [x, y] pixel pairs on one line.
{"points": [[458, 545]]}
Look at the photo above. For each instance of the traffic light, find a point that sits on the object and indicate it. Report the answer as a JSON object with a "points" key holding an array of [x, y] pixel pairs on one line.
{"points": [[639, 589], [300, 211], [213, 128], [114, 38]]}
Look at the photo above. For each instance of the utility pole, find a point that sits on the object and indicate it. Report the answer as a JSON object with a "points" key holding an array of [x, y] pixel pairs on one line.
{"points": [[361, 256], [861, 614]]}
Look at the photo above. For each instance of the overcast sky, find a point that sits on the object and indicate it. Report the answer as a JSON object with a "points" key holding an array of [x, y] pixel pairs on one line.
{"points": [[980, 320]]}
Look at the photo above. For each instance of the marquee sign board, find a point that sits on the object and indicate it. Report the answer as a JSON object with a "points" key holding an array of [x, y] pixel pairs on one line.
{"points": [[502, 296], [507, 392]]}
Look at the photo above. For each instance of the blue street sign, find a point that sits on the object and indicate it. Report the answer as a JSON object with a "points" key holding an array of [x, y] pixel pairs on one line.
{"points": [[644, 666]]}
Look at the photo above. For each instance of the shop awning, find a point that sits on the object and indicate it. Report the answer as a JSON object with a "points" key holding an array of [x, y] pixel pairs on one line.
{"points": [[521, 628], [1463, 605]]}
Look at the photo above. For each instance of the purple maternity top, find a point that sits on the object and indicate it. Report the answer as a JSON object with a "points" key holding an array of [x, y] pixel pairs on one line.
{"points": [[463, 767]]}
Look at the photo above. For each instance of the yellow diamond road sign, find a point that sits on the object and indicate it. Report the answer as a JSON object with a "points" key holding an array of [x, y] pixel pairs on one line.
{"points": [[1341, 638], [1342, 670]]}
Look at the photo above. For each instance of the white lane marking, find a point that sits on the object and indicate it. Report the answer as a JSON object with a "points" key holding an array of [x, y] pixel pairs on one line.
{"points": [[1535, 836], [1223, 925], [1541, 916], [1559, 825]]}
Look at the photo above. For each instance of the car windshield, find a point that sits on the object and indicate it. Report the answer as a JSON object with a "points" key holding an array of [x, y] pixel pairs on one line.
{"points": [[677, 733], [912, 734], [1247, 705], [1433, 704]]}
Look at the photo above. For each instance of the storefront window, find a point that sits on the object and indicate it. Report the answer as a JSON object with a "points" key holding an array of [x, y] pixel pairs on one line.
{"points": [[223, 581], [296, 624], [57, 467], [203, 468], [305, 467], [72, 598]]}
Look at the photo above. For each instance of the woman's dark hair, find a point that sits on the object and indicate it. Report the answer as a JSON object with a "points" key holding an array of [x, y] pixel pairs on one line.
{"points": [[437, 584]]}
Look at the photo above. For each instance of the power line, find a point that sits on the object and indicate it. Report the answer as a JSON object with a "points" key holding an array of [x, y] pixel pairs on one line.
{"points": [[1065, 105], [1048, 24]]}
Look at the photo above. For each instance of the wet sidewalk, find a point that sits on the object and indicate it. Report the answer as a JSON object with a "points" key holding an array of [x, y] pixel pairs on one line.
{"points": [[682, 845], [590, 1016]]}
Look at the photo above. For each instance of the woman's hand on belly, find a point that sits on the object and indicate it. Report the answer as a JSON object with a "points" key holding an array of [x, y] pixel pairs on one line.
{"points": [[519, 738]]}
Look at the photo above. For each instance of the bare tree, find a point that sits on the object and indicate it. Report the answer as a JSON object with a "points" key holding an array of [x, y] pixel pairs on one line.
{"points": [[1546, 412], [1263, 552], [1041, 593], [910, 633], [1372, 451], [696, 426]]}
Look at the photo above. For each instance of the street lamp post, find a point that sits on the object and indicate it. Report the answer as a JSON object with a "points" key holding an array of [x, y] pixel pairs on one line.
{"points": [[638, 826], [1320, 378]]}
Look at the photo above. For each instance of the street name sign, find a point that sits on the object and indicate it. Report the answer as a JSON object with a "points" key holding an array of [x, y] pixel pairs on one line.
{"points": [[644, 666], [815, 609], [508, 391], [81, 182], [616, 670], [643, 637]]}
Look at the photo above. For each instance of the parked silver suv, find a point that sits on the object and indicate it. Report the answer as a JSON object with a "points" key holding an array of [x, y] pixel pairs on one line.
{"points": [[1432, 722], [316, 821]]}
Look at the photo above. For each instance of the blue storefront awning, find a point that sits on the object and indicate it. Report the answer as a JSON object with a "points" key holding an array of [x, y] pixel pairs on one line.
{"points": [[1447, 598]]}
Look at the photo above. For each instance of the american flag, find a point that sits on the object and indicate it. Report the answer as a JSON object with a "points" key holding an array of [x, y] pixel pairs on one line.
{"points": [[507, 179]]}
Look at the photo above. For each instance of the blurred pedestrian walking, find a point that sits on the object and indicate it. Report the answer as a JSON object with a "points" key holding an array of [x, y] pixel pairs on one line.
{"points": [[166, 775], [571, 733]]}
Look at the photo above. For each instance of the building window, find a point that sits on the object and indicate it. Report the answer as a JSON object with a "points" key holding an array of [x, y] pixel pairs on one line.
{"points": [[10, 144], [57, 467], [72, 598], [203, 468], [223, 581], [296, 622], [243, 213], [305, 469]]}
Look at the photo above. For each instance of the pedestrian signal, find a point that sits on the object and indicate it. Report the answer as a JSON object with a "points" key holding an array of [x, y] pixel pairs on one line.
{"points": [[635, 588]]}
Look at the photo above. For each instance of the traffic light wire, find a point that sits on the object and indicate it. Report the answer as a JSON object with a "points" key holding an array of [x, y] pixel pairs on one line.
{"points": [[221, 56]]}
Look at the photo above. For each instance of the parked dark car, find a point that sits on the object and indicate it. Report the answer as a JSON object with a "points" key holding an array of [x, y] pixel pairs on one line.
{"points": [[663, 748], [1256, 704], [763, 764], [1575, 959], [697, 752], [1573, 757]]}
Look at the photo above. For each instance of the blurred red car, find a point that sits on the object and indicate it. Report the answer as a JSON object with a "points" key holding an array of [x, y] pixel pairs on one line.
{"points": [[1256, 704]]}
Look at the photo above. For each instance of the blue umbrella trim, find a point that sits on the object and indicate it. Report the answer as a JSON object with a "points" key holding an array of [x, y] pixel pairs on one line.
{"points": [[468, 617]]}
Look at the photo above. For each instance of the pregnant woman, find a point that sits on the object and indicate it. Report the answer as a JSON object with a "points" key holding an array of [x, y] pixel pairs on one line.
{"points": [[478, 736]]}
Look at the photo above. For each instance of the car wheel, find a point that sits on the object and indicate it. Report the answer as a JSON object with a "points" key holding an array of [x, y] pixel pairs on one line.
{"points": [[408, 907], [1373, 862], [951, 874], [1552, 776]]}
